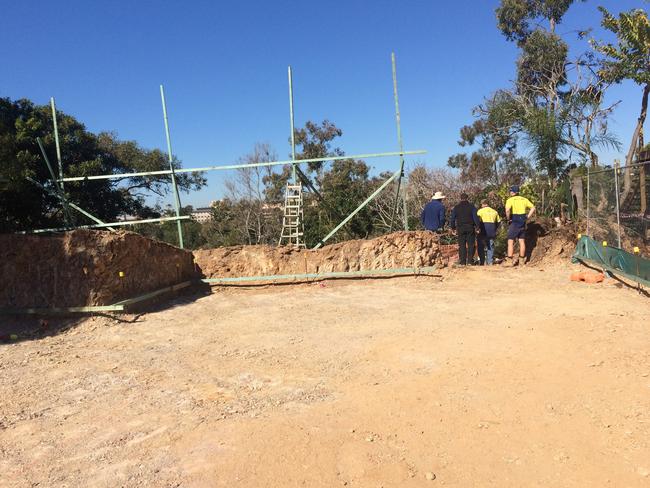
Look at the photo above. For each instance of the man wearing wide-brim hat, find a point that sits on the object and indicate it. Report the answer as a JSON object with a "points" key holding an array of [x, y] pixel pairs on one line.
{"points": [[433, 213]]}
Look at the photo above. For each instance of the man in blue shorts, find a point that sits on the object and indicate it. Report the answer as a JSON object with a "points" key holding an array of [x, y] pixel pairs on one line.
{"points": [[518, 210]]}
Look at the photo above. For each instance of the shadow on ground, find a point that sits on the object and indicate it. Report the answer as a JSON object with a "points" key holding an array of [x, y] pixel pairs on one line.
{"points": [[17, 328]]}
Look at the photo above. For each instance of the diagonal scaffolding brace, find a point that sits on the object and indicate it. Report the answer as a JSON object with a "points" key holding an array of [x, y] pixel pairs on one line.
{"points": [[358, 209]]}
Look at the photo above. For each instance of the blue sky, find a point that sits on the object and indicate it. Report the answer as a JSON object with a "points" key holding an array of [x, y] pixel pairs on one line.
{"points": [[224, 68]]}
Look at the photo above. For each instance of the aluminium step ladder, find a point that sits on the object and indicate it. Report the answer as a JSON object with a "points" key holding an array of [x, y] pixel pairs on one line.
{"points": [[293, 229]]}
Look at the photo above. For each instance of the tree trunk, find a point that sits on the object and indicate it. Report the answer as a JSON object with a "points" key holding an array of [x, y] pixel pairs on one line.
{"points": [[642, 183], [629, 159]]}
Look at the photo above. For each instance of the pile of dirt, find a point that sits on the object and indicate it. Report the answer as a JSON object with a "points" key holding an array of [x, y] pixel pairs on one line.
{"points": [[549, 244], [396, 250], [82, 267]]}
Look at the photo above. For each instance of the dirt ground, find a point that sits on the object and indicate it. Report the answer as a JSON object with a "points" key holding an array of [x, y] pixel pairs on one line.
{"points": [[484, 377]]}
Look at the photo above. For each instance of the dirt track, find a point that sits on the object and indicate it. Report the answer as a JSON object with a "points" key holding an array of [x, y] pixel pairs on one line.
{"points": [[490, 377]]}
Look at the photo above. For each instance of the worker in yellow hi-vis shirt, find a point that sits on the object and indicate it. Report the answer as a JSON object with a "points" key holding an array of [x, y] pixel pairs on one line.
{"points": [[518, 210]]}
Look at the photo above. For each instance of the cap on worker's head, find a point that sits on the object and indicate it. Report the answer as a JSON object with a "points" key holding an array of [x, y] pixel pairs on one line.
{"points": [[514, 188], [463, 196], [438, 196]]}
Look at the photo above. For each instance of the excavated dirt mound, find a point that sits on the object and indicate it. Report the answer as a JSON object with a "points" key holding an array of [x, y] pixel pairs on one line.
{"points": [[396, 250], [549, 244], [82, 268]]}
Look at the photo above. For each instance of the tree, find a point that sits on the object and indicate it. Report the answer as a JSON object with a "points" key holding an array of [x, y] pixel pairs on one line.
{"points": [[344, 187], [24, 206], [257, 220], [555, 106], [515, 16], [496, 158], [629, 59], [193, 236]]}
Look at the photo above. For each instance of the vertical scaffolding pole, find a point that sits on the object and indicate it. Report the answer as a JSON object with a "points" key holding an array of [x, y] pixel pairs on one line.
{"points": [[588, 196], [177, 199], [56, 140], [293, 137], [618, 207], [58, 186], [401, 149]]}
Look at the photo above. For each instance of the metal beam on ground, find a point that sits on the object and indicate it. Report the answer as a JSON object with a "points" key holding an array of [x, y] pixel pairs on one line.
{"points": [[147, 296], [61, 310], [320, 276], [115, 307], [358, 209], [238, 166], [177, 198]]}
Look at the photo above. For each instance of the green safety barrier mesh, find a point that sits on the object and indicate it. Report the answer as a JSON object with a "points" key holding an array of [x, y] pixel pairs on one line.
{"points": [[632, 266]]}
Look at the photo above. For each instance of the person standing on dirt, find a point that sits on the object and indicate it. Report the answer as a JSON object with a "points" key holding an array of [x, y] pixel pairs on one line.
{"points": [[489, 223], [518, 210], [433, 213], [465, 220]]}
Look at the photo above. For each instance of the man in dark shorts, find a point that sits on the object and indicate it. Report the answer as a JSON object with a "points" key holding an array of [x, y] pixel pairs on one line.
{"points": [[518, 210]]}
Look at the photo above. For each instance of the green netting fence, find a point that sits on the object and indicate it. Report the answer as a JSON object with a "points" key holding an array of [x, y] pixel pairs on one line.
{"points": [[615, 205], [617, 261]]}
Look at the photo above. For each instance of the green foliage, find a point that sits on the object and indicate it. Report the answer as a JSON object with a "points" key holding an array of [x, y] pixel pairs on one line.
{"points": [[541, 67], [23, 206], [495, 158], [344, 187], [629, 59], [555, 109], [315, 141], [514, 17]]}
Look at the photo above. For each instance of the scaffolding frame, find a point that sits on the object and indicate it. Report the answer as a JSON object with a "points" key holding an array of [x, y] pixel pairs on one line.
{"points": [[297, 176]]}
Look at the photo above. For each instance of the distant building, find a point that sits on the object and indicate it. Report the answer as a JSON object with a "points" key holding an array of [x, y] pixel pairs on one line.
{"points": [[202, 214], [127, 218]]}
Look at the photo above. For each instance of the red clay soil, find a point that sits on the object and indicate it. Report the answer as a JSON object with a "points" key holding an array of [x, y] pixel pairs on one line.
{"points": [[396, 250], [82, 268]]}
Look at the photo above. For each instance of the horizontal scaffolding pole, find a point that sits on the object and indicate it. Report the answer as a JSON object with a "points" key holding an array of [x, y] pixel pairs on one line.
{"points": [[66, 202], [147, 296], [110, 224], [116, 307], [321, 276], [239, 166], [61, 310]]}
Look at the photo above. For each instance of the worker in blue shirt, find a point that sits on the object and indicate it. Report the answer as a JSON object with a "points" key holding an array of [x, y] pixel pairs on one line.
{"points": [[433, 213]]}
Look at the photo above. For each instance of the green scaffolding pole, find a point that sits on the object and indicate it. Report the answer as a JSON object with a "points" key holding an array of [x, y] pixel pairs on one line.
{"points": [[321, 276], [121, 306], [238, 166], [69, 204], [56, 140], [401, 148], [111, 224], [58, 186], [293, 135], [358, 209], [177, 198]]}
